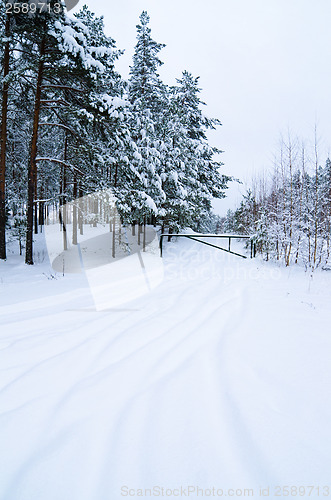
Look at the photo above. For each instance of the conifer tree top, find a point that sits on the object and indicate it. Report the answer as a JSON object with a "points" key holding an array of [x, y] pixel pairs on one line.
{"points": [[144, 79]]}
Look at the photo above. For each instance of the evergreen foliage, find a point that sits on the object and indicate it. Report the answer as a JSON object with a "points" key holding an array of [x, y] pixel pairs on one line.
{"points": [[74, 126]]}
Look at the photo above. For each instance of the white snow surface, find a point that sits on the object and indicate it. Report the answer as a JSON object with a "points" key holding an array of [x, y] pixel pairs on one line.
{"points": [[220, 377]]}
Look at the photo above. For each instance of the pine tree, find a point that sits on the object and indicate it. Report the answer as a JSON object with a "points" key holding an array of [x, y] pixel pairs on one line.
{"points": [[145, 86], [38, 52], [69, 69], [147, 96], [5, 35], [74, 127], [197, 179]]}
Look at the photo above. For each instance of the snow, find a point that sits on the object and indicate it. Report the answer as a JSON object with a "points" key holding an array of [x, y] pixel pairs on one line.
{"points": [[76, 22], [137, 156], [112, 104], [68, 35], [148, 202], [219, 377], [174, 176], [102, 51]]}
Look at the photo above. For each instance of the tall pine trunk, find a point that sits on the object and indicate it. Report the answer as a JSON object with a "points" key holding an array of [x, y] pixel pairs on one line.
{"points": [[64, 195], [80, 211], [74, 214], [32, 176], [4, 116], [41, 214]]}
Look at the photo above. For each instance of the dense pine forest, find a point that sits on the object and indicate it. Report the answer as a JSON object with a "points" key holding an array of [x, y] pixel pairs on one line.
{"points": [[71, 125]]}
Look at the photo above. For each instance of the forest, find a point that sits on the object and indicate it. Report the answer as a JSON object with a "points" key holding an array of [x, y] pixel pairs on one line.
{"points": [[288, 208], [71, 126], [135, 362]]}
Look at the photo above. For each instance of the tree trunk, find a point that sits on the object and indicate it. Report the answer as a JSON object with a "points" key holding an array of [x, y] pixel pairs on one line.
{"points": [[41, 215], [288, 256], [119, 231], [74, 213], [144, 238], [4, 116], [35, 212], [32, 175], [80, 211], [316, 214], [116, 173], [64, 195], [114, 233]]}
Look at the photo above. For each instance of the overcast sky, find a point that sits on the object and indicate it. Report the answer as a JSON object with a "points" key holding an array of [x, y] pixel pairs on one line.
{"points": [[264, 67]]}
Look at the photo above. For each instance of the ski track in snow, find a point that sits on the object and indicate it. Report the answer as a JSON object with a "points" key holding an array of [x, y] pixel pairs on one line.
{"points": [[210, 380]]}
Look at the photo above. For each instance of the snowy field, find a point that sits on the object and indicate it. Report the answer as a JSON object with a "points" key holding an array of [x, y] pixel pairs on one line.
{"points": [[216, 383]]}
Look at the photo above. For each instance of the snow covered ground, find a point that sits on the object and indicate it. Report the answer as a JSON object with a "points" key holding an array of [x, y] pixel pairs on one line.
{"points": [[218, 378]]}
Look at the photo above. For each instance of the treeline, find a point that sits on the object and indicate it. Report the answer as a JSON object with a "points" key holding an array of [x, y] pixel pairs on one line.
{"points": [[70, 125], [289, 211]]}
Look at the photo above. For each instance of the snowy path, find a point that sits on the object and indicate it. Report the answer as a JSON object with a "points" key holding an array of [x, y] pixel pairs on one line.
{"points": [[219, 378]]}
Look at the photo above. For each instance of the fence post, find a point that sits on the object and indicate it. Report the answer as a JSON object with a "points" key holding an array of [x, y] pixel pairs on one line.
{"points": [[161, 240], [144, 236]]}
